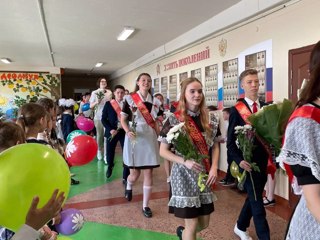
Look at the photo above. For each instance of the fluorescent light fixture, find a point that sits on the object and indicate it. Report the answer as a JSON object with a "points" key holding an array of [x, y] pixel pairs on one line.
{"points": [[6, 60], [99, 64], [126, 32]]}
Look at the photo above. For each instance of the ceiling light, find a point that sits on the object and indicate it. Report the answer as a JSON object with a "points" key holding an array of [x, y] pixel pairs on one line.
{"points": [[6, 60], [126, 32], [99, 64]]}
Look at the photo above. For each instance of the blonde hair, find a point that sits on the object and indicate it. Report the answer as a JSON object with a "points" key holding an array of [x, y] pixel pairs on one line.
{"points": [[202, 107]]}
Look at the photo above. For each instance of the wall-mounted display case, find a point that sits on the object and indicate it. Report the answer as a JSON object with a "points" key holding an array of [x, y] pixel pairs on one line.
{"points": [[196, 73], [173, 88], [211, 85], [258, 62], [164, 87], [230, 82], [156, 85]]}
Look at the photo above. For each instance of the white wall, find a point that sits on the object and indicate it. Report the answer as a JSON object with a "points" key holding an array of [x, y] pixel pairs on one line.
{"points": [[292, 27]]}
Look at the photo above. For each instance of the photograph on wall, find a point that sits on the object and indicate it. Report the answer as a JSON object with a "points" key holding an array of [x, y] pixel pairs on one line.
{"points": [[196, 73], [156, 85], [173, 88], [18, 88], [211, 85], [258, 62], [230, 82], [164, 87], [182, 76]]}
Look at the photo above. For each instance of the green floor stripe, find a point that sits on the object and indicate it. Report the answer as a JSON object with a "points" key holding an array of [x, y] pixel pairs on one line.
{"points": [[98, 231], [93, 175]]}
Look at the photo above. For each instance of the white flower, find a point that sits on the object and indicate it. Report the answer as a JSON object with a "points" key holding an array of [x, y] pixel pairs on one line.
{"points": [[237, 128], [247, 127], [170, 137], [71, 148], [176, 135], [78, 221]]}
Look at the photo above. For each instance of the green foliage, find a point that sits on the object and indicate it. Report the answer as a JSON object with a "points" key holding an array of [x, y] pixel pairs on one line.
{"points": [[270, 122]]}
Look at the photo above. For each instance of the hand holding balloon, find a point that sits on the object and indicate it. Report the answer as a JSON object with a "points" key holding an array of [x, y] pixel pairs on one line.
{"points": [[37, 217]]}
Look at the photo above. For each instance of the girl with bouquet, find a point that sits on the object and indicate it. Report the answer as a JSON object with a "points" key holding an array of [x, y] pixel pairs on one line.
{"points": [[141, 149], [188, 201], [97, 101]]}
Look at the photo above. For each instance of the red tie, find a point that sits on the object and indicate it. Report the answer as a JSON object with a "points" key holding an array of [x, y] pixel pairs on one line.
{"points": [[254, 107]]}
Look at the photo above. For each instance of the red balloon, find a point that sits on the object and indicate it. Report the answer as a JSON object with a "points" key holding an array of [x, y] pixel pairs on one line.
{"points": [[81, 150], [84, 124]]}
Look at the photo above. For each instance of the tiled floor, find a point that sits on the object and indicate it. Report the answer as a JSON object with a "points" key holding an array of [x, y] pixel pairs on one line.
{"points": [[110, 216]]}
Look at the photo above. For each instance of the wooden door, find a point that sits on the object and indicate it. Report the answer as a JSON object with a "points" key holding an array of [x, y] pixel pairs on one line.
{"points": [[298, 70]]}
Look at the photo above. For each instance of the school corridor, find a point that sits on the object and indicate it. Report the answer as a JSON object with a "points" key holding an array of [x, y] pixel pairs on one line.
{"points": [[108, 215]]}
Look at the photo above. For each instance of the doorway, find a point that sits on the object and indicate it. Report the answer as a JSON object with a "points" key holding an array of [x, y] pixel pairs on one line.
{"points": [[298, 71]]}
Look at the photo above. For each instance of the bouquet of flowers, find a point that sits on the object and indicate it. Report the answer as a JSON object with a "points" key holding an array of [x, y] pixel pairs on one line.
{"points": [[100, 95], [133, 125], [270, 123], [245, 138], [178, 136]]}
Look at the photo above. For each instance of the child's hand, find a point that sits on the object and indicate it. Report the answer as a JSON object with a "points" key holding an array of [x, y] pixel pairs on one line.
{"points": [[37, 217]]}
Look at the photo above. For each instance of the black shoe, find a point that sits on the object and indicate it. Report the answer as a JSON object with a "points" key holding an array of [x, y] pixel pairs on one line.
{"points": [[147, 212], [109, 171], [74, 182], [179, 232], [267, 202], [128, 195], [228, 184]]}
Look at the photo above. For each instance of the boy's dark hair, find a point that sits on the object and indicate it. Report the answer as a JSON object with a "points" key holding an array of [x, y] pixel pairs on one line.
{"points": [[119, 87], [212, 108], [227, 110]]}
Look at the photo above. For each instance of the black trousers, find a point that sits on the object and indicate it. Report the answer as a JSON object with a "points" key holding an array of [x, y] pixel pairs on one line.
{"points": [[254, 207], [111, 149]]}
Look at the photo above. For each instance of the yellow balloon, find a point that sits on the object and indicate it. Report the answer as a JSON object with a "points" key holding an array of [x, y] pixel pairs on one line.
{"points": [[234, 170], [75, 106], [29, 170]]}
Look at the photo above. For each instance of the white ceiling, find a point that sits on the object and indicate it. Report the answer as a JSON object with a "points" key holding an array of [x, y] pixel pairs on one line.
{"points": [[83, 32]]}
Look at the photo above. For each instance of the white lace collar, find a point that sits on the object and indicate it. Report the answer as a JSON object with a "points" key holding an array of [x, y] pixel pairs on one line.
{"points": [[193, 114], [148, 99]]}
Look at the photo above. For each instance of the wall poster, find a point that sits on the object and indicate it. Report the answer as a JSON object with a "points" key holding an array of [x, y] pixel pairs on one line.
{"points": [[211, 85], [258, 62], [173, 88], [164, 87], [196, 73], [230, 82]]}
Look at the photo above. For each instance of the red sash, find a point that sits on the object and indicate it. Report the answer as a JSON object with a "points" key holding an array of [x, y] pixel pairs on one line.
{"points": [[116, 107], [143, 109], [305, 112], [197, 139], [245, 113]]}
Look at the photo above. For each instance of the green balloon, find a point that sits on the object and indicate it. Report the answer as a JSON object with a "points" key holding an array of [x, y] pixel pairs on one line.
{"points": [[74, 134], [29, 170], [63, 238]]}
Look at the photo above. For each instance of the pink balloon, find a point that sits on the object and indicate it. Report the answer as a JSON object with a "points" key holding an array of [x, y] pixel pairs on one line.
{"points": [[84, 124]]}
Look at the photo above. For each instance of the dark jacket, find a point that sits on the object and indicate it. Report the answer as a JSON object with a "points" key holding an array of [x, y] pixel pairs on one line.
{"points": [[260, 155], [109, 119]]}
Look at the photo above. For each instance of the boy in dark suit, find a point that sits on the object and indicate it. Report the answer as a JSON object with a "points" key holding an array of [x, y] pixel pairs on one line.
{"points": [[113, 130], [238, 117]]}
